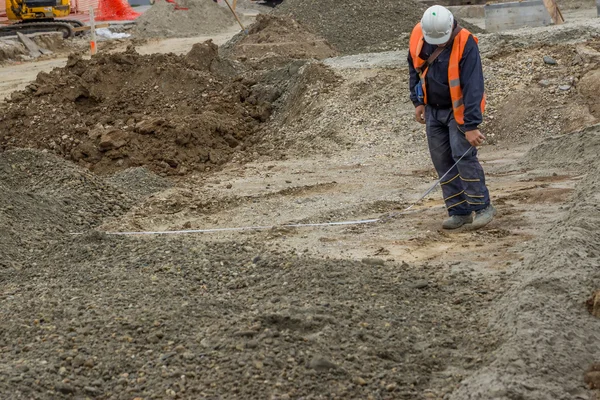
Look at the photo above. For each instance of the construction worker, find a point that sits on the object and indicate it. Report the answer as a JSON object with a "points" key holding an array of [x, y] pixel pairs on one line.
{"points": [[446, 87]]}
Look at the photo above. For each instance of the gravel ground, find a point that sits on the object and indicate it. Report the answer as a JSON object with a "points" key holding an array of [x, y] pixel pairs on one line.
{"points": [[395, 310]]}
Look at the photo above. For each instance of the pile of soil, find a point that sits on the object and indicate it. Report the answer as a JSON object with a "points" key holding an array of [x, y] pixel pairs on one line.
{"points": [[530, 98], [551, 340], [575, 150], [276, 37], [165, 20], [43, 196], [170, 113], [358, 26]]}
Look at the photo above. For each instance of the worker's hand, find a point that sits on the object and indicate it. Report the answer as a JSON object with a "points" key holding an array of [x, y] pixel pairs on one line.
{"points": [[420, 114], [475, 137]]}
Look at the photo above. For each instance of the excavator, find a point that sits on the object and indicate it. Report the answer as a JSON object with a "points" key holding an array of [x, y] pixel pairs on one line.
{"points": [[34, 16]]}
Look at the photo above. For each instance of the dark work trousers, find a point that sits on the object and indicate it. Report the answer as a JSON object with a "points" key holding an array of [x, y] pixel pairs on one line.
{"points": [[464, 186]]}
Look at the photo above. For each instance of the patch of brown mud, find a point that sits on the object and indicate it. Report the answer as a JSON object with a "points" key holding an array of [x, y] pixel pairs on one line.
{"points": [[170, 113]]}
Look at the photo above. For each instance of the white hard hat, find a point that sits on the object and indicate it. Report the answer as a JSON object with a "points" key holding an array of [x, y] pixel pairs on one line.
{"points": [[437, 24]]}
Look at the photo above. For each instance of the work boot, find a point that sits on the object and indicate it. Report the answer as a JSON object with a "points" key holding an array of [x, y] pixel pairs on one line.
{"points": [[456, 221], [483, 217]]}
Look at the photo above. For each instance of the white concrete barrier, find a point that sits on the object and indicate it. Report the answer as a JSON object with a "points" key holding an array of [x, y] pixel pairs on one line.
{"points": [[507, 16]]}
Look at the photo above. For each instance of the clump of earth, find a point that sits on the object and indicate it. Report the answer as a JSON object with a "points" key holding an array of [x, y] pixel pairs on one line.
{"points": [[275, 40], [170, 113]]}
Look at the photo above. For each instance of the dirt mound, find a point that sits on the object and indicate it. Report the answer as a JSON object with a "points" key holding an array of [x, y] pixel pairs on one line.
{"points": [[201, 17], [551, 340], [42, 195], [529, 98], [573, 150], [296, 126], [277, 37], [139, 182], [357, 26], [170, 113]]}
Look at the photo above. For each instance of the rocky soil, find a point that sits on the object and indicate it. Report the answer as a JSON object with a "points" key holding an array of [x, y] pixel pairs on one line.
{"points": [[356, 26]]}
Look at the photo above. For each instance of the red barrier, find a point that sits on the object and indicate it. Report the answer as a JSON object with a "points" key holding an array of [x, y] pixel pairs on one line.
{"points": [[115, 10]]}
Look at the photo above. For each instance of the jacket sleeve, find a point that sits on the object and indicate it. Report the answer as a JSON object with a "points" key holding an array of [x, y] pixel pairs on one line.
{"points": [[471, 82], [413, 81]]}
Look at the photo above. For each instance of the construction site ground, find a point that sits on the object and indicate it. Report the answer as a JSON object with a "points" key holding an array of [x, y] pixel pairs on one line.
{"points": [[392, 309]]}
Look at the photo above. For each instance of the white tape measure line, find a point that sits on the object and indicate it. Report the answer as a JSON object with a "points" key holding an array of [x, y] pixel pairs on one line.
{"points": [[320, 224]]}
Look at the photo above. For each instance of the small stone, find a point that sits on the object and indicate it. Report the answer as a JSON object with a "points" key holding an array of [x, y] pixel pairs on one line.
{"points": [[92, 390], [549, 60], [78, 361], [258, 365], [391, 387], [188, 355], [113, 140], [89, 363], [544, 83], [565, 87], [373, 261], [321, 364], [420, 284], [153, 338], [148, 127], [180, 349], [64, 388], [360, 381]]}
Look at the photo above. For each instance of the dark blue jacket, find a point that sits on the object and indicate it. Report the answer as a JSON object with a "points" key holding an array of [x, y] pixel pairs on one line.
{"points": [[436, 81]]}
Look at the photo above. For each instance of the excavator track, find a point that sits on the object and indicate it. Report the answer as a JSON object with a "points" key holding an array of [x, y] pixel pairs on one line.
{"points": [[34, 27]]}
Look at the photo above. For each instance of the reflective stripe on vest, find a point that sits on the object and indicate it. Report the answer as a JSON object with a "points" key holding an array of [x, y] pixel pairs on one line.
{"points": [[458, 47]]}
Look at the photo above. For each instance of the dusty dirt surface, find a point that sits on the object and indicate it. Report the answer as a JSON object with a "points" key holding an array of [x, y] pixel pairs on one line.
{"points": [[164, 20], [356, 26], [397, 309], [276, 38], [191, 115]]}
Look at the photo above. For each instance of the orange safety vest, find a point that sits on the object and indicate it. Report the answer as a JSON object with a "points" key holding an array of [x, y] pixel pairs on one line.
{"points": [[458, 47]]}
